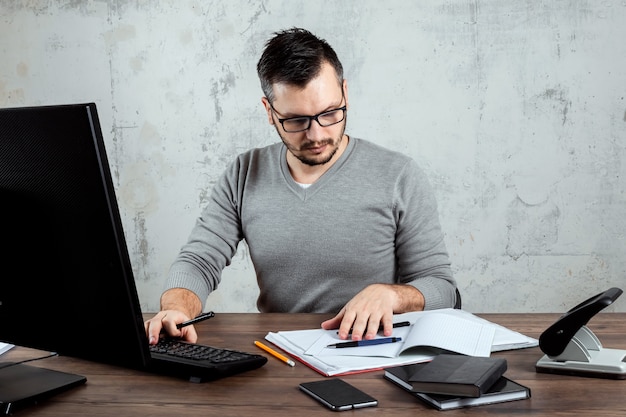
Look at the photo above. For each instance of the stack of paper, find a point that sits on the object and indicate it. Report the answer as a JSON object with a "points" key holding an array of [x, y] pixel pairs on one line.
{"points": [[430, 333], [4, 347]]}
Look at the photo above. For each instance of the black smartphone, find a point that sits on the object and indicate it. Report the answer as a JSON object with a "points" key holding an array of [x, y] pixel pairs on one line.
{"points": [[337, 394]]}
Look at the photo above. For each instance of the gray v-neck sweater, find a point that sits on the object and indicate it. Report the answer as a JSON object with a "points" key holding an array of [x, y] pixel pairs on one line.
{"points": [[371, 218]]}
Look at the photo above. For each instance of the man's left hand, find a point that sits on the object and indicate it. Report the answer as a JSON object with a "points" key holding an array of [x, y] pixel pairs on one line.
{"points": [[373, 308]]}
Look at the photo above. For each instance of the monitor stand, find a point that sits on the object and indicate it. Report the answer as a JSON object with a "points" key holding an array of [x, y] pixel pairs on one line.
{"points": [[23, 385]]}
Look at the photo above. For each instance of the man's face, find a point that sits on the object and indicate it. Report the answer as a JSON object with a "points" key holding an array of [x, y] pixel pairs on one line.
{"points": [[317, 145]]}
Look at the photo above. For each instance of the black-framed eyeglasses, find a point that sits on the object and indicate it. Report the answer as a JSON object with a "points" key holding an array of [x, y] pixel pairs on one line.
{"points": [[302, 123]]}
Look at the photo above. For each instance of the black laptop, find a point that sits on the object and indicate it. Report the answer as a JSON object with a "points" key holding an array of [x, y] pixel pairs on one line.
{"points": [[67, 284], [23, 385]]}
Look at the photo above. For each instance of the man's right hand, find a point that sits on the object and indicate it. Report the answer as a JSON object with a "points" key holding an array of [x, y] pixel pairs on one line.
{"points": [[165, 322], [177, 305]]}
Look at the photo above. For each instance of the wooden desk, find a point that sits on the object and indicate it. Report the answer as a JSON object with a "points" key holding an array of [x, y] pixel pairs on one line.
{"points": [[272, 389]]}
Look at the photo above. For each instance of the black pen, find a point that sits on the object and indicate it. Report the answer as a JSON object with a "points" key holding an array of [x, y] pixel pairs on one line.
{"points": [[201, 317], [398, 324]]}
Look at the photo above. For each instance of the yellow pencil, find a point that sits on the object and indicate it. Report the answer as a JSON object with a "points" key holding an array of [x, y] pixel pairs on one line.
{"points": [[274, 353]]}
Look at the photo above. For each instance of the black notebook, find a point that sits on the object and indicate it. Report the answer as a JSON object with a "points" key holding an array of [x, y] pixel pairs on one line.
{"points": [[460, 375], [503, 390]]}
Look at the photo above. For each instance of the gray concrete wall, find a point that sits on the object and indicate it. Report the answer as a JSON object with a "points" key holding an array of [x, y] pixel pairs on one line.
{"points": [[515, 109]]}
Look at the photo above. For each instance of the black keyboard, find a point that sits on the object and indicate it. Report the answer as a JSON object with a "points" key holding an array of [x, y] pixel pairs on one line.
{"points": [[201, 362]]}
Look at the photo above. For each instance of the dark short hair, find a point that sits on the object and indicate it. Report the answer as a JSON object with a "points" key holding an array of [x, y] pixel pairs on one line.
{"points": [[294, 56]]}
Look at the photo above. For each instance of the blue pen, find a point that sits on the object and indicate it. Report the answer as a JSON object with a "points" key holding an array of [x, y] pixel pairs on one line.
{"points": [[371, 342]]}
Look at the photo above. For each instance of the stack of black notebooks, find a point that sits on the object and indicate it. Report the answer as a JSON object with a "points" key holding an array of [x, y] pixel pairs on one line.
{"points": [[454, 381]]}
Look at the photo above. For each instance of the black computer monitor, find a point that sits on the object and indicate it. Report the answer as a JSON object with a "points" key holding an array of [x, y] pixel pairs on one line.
{"points": [[66, 282]]}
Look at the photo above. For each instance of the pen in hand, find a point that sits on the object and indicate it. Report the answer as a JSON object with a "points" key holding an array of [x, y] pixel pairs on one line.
{"points": [[200, 318]]}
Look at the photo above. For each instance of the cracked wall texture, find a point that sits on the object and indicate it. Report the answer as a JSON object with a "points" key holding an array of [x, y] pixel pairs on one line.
{"points": [[516, 111]]}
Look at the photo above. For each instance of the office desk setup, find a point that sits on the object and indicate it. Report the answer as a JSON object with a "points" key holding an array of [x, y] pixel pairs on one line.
{"points": [[54, 157], [273, 388]]}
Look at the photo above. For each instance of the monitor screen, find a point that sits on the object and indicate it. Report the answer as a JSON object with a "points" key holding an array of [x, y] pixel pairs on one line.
{"points": [[67, 284]]}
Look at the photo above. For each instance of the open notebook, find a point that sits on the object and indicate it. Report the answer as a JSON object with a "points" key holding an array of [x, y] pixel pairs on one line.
{"points": [[62, 232], [429, 333]]}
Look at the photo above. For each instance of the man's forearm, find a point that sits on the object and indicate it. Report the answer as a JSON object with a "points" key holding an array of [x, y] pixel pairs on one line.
{"points": [[409, 298], [182, 300]]}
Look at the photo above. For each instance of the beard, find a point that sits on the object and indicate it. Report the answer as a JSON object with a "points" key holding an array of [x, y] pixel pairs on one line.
{"points": [[301, 154], [322, 159]]}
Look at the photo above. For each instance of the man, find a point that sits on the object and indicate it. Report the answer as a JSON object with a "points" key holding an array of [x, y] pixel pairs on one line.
{"points": [[334, 224]]}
